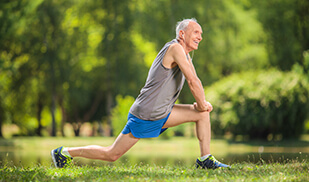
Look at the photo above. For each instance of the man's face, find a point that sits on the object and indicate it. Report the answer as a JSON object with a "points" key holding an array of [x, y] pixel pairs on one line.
{"points": [[193, 36]]}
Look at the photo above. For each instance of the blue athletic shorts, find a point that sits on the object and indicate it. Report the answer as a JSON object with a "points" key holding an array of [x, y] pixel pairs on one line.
{"points": [[144, 128]]}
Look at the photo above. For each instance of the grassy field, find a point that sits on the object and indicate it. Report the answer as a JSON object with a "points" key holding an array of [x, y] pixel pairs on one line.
{"points": [[289, 171], [32, 161]]}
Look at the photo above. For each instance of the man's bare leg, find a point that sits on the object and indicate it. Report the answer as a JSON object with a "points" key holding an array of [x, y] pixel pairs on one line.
{"points": [[111, 153], [186, 113]]}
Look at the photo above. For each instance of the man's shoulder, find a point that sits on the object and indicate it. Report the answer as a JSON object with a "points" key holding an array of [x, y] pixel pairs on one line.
{"points": [[175, 45], [171, 55], [175, 48]]}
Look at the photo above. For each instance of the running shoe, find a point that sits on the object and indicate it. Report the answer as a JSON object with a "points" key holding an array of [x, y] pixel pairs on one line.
{"points": [[59, 159], [210, 163]]}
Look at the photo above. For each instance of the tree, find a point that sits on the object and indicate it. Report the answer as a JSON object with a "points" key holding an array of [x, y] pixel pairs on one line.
{"points": [[16, 73], [286, 25]]}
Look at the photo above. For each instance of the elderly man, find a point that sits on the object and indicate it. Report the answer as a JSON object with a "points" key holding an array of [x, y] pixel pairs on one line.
{"points": [[154, 110]]}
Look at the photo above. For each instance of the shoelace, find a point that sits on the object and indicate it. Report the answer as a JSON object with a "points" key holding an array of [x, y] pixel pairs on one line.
{"points": [[214, 160]]}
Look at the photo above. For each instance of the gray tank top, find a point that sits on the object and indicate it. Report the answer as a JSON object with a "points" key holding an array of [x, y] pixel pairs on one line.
{"points": [[161, 90]]}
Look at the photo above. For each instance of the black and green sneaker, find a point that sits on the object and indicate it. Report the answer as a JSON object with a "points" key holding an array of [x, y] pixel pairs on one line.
{"points": [[210, 163], [59, 159]]}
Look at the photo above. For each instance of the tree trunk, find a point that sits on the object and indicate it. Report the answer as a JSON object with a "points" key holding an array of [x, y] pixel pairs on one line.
{"points": [[64, 116], [94, 107], [39, 116], [109, 109], [2, 117], [53, 108], [101, 130], [1, 121], [1, 135], [76, 127]]}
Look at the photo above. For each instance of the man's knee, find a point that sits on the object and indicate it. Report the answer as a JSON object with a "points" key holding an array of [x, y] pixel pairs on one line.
{"points": [[113, 156], [203, 116]]}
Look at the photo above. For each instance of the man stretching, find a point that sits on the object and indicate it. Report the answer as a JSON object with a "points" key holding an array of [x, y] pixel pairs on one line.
{"points": [[154, 110]]}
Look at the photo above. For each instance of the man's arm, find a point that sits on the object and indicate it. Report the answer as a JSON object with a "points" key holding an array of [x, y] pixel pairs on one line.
{"points": [[195, 85]]}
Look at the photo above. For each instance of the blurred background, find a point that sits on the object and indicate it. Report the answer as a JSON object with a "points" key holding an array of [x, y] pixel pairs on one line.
{"points": [[73, 68]]}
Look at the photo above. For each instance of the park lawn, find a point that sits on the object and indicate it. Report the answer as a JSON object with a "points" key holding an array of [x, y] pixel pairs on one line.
{"points": [[288, 171]]}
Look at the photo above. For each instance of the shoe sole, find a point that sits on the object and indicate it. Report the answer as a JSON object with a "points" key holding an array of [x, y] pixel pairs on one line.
{"points": [[53, 157]]}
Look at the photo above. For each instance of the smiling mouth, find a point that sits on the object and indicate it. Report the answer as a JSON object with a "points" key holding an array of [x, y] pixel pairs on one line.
{"points": [[196, 42]]}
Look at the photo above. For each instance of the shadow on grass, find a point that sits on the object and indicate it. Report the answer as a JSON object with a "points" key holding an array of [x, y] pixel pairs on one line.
{"points": [[266, 158], [282, 143], [6, 143]]}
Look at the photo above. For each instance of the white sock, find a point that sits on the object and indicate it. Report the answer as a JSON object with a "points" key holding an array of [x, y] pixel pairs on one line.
{"points": [[66, 152], [204, 157]]}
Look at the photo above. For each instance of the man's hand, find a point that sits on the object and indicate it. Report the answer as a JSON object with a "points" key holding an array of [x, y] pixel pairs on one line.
{"points": [[207, 107]]}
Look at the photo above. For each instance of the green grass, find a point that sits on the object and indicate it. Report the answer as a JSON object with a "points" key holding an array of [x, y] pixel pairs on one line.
{"points": [[32, 161], [289, 171]]}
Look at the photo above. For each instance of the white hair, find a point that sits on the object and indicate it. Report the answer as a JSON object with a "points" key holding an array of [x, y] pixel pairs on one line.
{"points": [[182, 25]]}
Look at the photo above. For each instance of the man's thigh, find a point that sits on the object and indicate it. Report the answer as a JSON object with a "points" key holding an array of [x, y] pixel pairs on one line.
{"points": [[183, 113]]}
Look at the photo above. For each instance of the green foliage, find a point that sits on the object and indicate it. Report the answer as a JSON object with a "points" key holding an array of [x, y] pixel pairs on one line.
{"points": [[120, 113], [286, 25], [306, 63], [260, 103], [78, 55], [234, 40]]}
